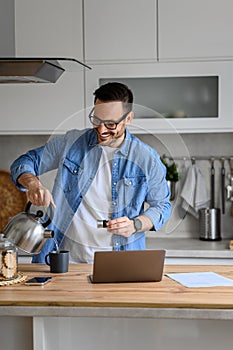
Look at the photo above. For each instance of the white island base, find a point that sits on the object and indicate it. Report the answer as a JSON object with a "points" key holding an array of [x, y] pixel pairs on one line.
{"points": [[141, 329], [136, 334]]}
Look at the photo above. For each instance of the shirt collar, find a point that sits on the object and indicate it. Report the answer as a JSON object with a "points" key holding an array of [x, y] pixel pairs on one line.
{"points": [[92, 138], [124, 148]]}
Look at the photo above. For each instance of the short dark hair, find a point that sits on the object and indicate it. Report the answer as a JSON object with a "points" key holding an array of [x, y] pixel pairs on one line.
{"points": [[115, 91]]}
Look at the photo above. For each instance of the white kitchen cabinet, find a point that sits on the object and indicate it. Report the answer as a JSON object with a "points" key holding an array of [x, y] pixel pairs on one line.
{"points": [[49, 28], [7, 40], [195, 29], [46, 29], [119, 31], [143, 79], [137, 332], [157, 30], [42, 108]]}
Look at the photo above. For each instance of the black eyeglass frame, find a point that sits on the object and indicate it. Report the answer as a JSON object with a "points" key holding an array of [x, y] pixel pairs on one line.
{"points": [[105, 122]]}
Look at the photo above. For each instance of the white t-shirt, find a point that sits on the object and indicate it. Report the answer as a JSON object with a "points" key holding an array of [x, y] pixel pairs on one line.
{"points": [[83, 237]]}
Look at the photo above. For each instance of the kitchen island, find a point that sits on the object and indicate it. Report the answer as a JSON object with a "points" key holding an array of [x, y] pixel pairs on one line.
{"points": [[72, 312]]}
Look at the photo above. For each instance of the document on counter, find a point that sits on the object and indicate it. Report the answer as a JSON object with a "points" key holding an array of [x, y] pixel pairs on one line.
{"points": [[200, 279]]}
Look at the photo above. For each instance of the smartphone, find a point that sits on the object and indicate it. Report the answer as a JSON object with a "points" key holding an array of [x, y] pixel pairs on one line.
{"points": [[38, 281]]}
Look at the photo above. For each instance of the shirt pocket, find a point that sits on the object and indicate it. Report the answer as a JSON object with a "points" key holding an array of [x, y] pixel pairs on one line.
{"points": [[71, 173], [133, 190]]}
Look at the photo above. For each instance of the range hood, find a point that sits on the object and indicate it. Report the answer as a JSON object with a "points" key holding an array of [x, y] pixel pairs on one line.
{"points": [[14, 70]]}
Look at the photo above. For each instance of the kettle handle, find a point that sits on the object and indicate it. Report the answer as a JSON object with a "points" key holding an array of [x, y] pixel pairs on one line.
{"points": [[40, 213]]}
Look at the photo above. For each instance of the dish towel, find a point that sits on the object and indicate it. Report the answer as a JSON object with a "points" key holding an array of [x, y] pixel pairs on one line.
{"points": [[194, 195]]}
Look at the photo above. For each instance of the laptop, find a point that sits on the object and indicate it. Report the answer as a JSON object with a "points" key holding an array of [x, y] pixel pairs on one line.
{"points": [[128, 266]]}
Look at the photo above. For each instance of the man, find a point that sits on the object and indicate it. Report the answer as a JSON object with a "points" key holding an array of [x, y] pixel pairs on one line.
{"points": [[103, 173]]}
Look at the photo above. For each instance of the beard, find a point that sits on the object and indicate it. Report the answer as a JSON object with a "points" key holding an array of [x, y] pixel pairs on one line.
{"points": [[110, 138]]}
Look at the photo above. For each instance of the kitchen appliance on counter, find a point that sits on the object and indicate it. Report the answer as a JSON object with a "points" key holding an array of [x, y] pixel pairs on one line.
{"points": [[210, 228], [210, 218], [27, 231]]}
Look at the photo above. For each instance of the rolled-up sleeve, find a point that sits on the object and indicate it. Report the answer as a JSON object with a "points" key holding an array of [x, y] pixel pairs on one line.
{"points": [[43, 159], [28, 163]]}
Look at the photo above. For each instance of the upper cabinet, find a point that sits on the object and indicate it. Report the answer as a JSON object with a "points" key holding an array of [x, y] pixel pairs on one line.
{"points": [[183, 48], [157, 30], [45, 29], [49, 28], [183, 97], [7, 28], [119, 31], [176, 55], [195, 29]]}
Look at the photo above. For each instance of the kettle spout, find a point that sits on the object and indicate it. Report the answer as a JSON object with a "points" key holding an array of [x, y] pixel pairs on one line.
{"points": [[48, 234]]}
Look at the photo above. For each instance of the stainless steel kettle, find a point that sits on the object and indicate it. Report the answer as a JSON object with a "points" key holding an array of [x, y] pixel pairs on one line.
{"points": [[27, 231]]}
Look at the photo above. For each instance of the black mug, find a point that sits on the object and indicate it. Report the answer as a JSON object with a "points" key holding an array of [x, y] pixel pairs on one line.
{"points": [[58, 261]]}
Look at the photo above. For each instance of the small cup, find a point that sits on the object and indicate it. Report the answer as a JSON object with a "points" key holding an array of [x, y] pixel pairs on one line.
{"points": [[58, 261]]}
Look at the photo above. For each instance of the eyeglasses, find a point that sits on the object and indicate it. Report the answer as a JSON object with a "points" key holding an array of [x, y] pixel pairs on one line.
{"points": [[109, 124]]}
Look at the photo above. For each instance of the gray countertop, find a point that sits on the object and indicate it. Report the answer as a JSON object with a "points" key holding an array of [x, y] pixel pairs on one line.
{"points": [[180, 248], [191, 247], [116, 312]]}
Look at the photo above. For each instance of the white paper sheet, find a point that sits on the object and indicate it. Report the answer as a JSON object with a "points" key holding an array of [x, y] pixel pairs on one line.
{"points": [[200, 279]]}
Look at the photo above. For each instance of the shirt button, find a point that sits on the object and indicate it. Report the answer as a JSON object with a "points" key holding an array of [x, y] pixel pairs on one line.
{"points": [[113, 203], [117, 243], [114, 164], [114, 183], [75, 171]]}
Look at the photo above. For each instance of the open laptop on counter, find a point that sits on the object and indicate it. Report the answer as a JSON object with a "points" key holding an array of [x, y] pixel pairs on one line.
{"points": [[128, 266]]}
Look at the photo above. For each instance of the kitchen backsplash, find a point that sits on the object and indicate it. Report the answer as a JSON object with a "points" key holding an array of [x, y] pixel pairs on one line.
{"points": [[199, 145]]}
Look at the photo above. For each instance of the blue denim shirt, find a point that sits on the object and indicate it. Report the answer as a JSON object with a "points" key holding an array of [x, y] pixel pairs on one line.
{"points": [[138, 176]]}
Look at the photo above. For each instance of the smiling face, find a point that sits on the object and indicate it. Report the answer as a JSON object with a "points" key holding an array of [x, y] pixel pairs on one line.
{"points": [[111, 111]]}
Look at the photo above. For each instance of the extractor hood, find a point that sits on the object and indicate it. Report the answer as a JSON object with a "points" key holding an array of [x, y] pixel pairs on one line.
{"points": [[16, 70]]}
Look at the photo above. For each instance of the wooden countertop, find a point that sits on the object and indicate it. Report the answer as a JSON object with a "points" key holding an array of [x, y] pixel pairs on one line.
{"points": [[74, 289]]}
